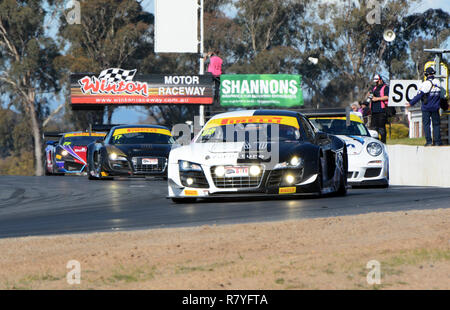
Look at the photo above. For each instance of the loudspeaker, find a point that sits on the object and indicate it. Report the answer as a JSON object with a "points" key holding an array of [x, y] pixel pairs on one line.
{"points": [[389, 35], [313, 60]]}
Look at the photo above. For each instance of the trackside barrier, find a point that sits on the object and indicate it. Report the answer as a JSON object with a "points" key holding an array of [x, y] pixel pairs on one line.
{"points": [[419, 165]]}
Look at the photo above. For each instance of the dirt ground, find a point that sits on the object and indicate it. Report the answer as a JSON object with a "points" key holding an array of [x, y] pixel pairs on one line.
{"points": [[413, 249]]}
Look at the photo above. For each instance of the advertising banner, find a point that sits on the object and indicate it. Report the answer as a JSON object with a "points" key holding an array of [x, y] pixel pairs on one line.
{"points": [[121, 87], [261, 90]]}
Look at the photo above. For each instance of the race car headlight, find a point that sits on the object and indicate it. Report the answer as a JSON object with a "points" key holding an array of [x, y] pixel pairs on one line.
{"points": [[294, 162], [64, 153], [115, 156], [219, 171], [290, 179], [188, 166], [255, 170], [374, 148]]}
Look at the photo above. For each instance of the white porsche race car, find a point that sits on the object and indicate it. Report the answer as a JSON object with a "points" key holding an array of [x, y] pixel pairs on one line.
{"points": [[368, 160]]}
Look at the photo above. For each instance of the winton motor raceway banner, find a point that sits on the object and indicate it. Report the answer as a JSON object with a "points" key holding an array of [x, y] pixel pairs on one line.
{"points": [[261, 90], [120, 87]]}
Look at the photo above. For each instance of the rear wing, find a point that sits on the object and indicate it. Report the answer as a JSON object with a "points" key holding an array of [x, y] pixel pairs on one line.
{"points": [[46, 135], [324, 112], [330, 113], [102, 127]]}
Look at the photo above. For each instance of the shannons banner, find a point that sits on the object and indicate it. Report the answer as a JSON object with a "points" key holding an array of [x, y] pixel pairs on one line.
{"points": [[116, 86], [261, 90]]}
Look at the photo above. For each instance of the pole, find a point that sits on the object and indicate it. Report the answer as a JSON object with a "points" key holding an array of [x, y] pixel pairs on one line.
{"points": [[437, 65], [201, 60]]}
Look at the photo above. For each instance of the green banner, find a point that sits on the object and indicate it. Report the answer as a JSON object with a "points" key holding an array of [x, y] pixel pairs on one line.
{"points": [[261, 90]]}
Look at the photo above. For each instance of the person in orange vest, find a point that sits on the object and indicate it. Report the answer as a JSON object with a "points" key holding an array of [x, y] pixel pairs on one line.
{"points": [[378, 106]]}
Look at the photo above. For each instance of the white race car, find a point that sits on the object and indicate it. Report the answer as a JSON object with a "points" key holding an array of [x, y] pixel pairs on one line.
{"points": [[255, 153], [368, 160]]}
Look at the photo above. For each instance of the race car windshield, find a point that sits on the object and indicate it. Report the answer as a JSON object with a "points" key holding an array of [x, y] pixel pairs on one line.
{"points": [[80, 140], [249, 132], [141, 138], [339, 127]]}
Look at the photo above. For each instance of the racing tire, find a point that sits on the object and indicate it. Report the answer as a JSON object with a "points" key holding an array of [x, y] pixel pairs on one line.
{"points": [[319, 181], [183, 200], [47, 173], [91, 177], [342, 189], [97, 169]]}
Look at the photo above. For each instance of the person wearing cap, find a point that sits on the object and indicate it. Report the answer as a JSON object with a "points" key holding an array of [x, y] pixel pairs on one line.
{"points": [[430, 95], [378, 106]]}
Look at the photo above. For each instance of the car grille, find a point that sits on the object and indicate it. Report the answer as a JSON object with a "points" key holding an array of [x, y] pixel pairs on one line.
{"points": [[198, 177], [276, 177], [72, 166], [352, 174], [372, 172], [236, 182], [138, 167]]}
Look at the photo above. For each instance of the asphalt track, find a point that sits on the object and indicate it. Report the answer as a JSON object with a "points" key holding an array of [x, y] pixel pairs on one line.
{"points": [[31, 206]]}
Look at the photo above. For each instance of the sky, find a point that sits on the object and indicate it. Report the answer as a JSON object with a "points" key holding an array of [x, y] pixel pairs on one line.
{"points": [[130, 115]]}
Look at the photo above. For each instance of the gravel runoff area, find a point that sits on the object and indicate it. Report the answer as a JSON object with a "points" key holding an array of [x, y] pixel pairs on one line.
{"points": [[413, 249]]}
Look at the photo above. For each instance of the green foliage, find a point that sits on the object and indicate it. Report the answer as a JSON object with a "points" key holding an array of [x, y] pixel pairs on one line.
{"points": [[15, 144], [111, 34], [398, 131], [26, 66], [407, 141], [7, 121], [20, 164], [263, 36]]}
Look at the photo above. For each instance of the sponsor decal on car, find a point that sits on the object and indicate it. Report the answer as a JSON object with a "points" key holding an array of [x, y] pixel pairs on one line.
{"points": [[236, 172], [122, 131], [84, 134], [257, 119], [287, 190], [190, 192], [149, 161]]}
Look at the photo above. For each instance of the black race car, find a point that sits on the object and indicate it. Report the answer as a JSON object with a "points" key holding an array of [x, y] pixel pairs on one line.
{"points": [[136, 150], [258, 152]]}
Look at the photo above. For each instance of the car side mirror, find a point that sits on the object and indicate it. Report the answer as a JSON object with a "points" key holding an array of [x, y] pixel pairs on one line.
{"points": [[373, 134], [321, 135], [51, 142]]}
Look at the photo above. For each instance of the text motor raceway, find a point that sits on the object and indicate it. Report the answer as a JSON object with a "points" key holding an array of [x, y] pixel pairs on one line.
{"points": [[246, 153]]}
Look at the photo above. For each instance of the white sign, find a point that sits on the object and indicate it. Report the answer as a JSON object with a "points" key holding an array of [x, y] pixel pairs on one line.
{"points": [[402, 91], [176, 26]]}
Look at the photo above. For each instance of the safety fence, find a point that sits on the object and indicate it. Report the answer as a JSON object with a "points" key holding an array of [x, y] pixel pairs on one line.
{"points": [[419, 165]]}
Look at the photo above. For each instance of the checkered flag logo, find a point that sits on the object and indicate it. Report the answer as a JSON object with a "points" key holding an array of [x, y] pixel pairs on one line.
{"points": [[113, 75]]}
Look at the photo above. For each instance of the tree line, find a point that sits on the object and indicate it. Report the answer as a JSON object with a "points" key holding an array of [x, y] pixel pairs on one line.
{"points": [[39, 49]]}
